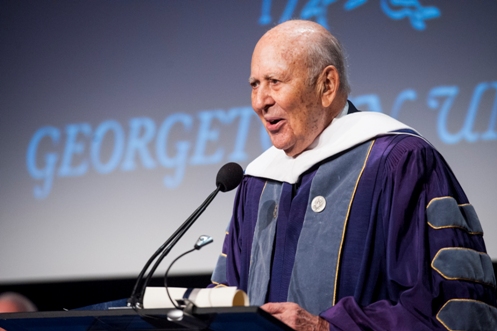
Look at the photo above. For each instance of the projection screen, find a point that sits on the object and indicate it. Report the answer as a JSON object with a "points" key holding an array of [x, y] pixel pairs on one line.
{"points": [[117, 115]]}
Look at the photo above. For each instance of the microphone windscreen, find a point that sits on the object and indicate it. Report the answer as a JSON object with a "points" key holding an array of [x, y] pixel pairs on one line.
{"points": [[229, 176]]}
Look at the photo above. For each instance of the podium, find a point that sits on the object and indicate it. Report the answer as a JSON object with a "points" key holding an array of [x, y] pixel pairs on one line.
{"points": [[216, 319]]}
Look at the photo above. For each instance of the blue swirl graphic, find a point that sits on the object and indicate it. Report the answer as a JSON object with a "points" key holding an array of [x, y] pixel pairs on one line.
{"points": [[412, 10]]}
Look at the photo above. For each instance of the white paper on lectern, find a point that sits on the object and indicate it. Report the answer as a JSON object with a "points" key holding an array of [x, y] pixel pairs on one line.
{"points": [[230, 296]]}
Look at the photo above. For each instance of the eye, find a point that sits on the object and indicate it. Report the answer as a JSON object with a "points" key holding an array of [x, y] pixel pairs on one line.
{"points": [[254, 84], [274, 81]]}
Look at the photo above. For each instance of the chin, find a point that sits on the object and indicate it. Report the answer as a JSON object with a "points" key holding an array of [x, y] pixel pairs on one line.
{"points": [[283, 147], [283, 144], [289, 150]]}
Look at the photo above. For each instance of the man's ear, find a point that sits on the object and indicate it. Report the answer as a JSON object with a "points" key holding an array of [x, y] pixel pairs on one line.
{"points": [[328, 83]]}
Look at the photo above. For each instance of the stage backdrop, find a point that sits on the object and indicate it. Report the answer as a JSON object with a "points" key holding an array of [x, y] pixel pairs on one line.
{"points": [[117, 115]]}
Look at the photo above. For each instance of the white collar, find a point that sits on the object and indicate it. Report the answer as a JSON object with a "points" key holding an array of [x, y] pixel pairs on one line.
{"points": [[344, 132]]}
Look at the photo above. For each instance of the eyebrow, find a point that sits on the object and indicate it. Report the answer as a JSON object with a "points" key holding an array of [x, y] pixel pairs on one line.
{"points": [[266, 77]]}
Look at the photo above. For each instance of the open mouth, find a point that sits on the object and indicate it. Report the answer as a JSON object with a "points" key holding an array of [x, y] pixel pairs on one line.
{"points": [[274, 124]]}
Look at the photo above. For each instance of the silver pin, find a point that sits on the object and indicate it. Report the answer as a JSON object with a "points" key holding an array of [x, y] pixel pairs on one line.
{"points": [[318, 204]]}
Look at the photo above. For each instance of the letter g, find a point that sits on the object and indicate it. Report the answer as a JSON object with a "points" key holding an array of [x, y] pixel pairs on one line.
{"points": [[47, 172]]}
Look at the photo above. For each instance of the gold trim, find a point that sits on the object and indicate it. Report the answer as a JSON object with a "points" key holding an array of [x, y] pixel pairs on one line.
{"points": [[263, 189], [451, 226], [458, 278], [454, 227], [218, 284], [447, 197], [447, 302], [227, 233], [346, 221], [438, 198], [224, 255]]}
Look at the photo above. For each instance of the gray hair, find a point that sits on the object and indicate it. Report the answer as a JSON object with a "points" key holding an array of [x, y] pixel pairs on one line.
{"points": [[22, 303], [325, 51]]}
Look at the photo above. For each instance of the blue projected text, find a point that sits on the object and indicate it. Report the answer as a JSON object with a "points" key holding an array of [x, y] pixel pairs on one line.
{"points": [[111, 146], [183, 140], [317, 10]]}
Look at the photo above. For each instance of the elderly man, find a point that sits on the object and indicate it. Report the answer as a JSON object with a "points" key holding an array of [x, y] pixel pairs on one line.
{"points": [[351, 221]]}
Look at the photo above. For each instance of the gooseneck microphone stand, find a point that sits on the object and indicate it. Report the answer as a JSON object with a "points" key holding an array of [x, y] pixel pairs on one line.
{"points": [[228, 177]]}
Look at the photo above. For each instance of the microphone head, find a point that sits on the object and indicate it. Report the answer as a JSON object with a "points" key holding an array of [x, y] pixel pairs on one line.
{"points": [[202, 241], [229, 176]]}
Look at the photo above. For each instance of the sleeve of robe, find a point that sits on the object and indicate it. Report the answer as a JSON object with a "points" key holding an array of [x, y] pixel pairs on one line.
{"points": [[428, 249]]}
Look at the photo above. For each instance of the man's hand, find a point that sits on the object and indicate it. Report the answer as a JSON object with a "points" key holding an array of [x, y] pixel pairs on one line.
{"points": [[296, 317]]}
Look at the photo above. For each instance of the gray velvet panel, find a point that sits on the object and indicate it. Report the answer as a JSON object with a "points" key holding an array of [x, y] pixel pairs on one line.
{"points": [[262, 246], [464, 264], [445, 212], [219, 274], [468, 315], [313, 277]]}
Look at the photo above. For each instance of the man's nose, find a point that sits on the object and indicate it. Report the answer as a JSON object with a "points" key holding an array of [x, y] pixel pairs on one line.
{"points": [[262, 98]]}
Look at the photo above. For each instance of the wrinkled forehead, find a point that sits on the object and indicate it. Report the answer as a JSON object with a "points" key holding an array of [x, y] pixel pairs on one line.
{"points": [[292, 37], [283, 47], [292, 30]]}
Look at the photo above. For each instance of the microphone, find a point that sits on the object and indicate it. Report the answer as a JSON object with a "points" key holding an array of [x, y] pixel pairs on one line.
{"points": [[202, 241], [228, 177]]}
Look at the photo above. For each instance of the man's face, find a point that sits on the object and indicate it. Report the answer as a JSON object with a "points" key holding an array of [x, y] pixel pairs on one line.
{"points": [[290, 109]]}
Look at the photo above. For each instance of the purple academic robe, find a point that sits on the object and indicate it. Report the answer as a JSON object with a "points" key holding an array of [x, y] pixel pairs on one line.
{"points": [[400, 266]]}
